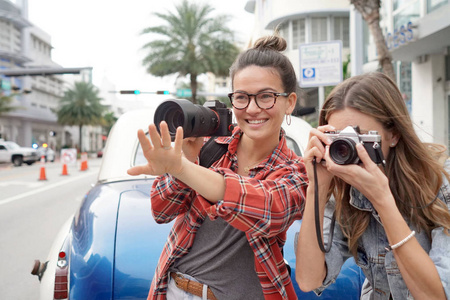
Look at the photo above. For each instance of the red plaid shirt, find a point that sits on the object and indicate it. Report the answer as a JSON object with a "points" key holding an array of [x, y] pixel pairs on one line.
{"points": [[262, 205]]}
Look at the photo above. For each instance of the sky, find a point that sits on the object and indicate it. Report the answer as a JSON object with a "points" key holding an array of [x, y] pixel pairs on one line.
{"points": [[105, 35]]}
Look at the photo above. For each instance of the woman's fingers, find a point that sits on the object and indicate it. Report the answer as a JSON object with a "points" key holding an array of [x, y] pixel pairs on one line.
{"points": [[144, 141], [136, 170], [364, 157], [178, 145], [165, 135], [154, 136]]}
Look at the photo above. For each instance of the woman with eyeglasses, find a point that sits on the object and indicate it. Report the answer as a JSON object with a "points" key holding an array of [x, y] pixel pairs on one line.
{"points": [[231, 219]]}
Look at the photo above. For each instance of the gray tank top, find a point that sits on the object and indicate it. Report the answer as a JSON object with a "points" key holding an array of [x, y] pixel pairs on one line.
{"points": [[221, 257]]}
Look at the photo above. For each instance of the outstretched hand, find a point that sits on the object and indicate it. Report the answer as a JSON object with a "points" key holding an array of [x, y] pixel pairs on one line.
{"points": [[161, 156]]}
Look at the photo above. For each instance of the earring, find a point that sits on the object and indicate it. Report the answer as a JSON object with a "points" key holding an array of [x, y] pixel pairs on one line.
{"points": [[392, 145], [288, 119]]}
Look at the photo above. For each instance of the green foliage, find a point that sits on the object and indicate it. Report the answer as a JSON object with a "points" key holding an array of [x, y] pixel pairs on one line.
{"points": [[80, 106], [193, 43], [109, 119], [6, 103]]}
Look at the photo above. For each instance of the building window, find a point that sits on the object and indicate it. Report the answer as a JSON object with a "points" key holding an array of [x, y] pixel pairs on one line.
{"points": [[284, 32], [447, 65], [298, 33], [341, 31], [319, 29], [406, 14], [400, 3], [432, 5], [404, 80]]}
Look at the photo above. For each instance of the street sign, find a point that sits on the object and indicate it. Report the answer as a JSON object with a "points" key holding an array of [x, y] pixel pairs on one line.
{"points": [[184, 93], [69, 156], [5, 84], [320, 64]]}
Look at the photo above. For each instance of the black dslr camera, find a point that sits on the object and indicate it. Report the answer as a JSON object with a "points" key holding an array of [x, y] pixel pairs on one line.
{"points": [[343, 146], [211, 119]]}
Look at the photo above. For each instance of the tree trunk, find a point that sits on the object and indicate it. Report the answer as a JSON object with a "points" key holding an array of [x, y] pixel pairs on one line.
{"points": [[81, 138], [370, 11], [194, 88], [384, 56]]}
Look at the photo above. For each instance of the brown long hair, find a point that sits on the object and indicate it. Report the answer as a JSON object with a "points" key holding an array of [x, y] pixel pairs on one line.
{"points": [[414, 169]]}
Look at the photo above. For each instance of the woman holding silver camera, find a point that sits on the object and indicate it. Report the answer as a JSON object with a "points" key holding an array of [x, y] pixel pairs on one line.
{"points": [[231, 219], [393, 218]]}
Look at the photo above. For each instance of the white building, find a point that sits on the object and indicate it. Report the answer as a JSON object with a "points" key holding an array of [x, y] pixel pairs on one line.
{"points": [[418, 35], [25, 46], [302, 22]]}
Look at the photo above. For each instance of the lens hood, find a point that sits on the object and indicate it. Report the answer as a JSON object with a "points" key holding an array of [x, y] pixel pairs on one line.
{"points": [[196, 120]]}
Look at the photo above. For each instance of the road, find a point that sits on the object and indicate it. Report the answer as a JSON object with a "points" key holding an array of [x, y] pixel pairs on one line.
{"points": [[31, 213]]}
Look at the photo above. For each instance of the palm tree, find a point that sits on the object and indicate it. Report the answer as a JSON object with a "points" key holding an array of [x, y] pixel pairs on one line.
{"points": [[80, 106], [194, 43], [6, 101], [5, 104], [109, 119], [370, 11]]}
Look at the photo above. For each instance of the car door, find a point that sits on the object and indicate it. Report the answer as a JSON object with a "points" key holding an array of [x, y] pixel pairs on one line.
{"points": [[4, 154]]}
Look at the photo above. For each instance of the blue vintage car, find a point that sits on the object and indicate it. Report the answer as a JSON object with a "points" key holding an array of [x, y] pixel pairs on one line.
{"points": [[110, 247]]}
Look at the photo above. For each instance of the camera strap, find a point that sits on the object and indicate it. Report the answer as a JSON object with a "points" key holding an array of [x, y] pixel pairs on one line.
{"points": [[323, 248], [211, 152]]}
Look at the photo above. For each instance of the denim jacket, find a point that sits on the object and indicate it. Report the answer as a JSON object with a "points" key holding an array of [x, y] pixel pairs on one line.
{"points": [[379, 266]]}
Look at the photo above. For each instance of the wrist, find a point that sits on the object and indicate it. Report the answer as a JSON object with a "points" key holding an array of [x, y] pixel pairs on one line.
{"points": [[385, 204], [180, 171]]}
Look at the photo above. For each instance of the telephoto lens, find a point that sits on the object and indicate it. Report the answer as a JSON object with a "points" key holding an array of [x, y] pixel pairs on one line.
{"points": [[196, 120]]}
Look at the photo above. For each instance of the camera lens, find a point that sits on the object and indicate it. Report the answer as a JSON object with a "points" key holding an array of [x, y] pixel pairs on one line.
{"points": [[196, 120], [343, 151]]}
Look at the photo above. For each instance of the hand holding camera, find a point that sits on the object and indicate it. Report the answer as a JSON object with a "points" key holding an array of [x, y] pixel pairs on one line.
{"points": [[343, 146]]}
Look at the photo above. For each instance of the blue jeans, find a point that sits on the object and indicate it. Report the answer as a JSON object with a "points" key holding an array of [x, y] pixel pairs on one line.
{"points": [[175, 293]]}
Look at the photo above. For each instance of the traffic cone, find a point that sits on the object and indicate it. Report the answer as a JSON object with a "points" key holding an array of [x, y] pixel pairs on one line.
{"points": [[42, 173], [64, 170], [84, 164]]}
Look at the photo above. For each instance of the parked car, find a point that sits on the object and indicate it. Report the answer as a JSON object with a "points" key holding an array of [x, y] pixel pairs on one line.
{"points": [[110, 248], [11, 152], [47, 152], [100, 153]]}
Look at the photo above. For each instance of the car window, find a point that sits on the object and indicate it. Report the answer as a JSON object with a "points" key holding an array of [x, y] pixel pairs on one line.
{"points": [[139, 158], [293, 146]]}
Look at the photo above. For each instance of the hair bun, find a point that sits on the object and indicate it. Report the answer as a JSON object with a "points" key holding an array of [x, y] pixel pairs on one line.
{"points": [[272, 42]]}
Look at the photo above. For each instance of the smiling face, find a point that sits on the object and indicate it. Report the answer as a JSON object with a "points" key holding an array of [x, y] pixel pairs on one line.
{"points": [[262, 125], [352, 117]]}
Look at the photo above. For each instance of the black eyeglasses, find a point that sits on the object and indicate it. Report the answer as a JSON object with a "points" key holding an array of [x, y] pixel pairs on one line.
{"points": [[264, 100]]}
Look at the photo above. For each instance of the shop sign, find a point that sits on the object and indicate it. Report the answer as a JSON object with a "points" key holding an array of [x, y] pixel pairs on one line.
{"points": [[401, 36], [320, 64]]}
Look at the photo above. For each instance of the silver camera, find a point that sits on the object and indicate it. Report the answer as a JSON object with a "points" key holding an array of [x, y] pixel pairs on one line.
{"points": [[343, 146]]}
